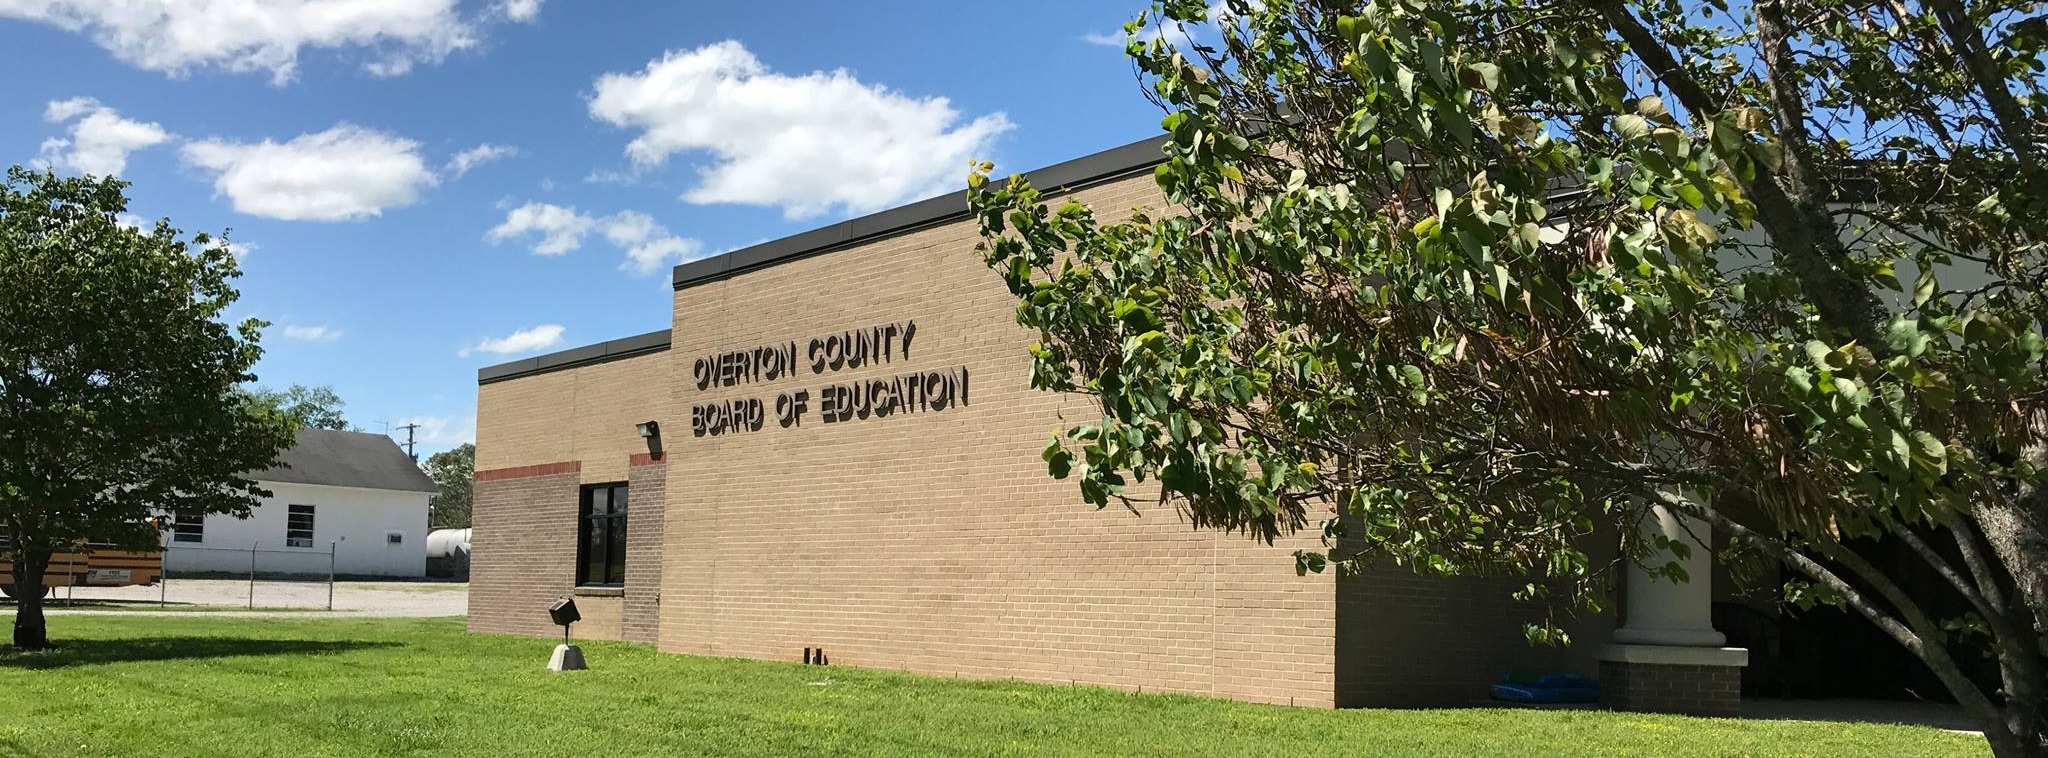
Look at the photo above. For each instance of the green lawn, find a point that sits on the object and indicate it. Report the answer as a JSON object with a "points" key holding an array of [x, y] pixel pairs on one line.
{"points": [[212, 687]]}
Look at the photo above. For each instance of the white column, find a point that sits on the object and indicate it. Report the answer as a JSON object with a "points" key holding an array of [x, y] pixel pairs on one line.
{"points": [[1661, 611], [1668, 658]]}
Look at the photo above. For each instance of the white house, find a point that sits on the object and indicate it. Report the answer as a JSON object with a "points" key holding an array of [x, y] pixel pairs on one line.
{"points": [[348, 498]]}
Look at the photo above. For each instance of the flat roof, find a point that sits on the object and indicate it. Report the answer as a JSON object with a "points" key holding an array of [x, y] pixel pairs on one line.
{"points": [[1108, 165], [625, 347]]}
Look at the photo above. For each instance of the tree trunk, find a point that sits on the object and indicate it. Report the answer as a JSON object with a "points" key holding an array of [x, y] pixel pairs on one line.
{"points": [[2017, 533], [2006, 745], [30, 631]]}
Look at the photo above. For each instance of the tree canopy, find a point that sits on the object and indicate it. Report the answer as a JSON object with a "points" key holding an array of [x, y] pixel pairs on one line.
{"points": [[119, 397], [454, 470], [1466, 285], [312, 407]]}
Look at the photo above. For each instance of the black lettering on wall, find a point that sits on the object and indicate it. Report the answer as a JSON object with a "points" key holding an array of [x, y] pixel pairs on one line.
{"points": [[917, 391]]}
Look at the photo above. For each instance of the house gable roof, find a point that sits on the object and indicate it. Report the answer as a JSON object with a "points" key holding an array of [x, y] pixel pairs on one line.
{"points": [[347, 459]]}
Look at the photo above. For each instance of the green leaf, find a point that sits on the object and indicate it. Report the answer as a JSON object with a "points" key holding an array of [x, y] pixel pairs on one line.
{"points": [[1800, 378], [1652, 107], [1309, 562], [1904, 336], [1411, 375], [1058, 461], [1350, 28], [1818, 353], [1929, 452], [1481, 76], [1631, 127]]}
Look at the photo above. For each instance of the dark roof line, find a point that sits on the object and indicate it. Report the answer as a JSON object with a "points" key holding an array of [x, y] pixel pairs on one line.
{"points": [[624, 347], [1108, 165], [1111, 164], [347, 459]]}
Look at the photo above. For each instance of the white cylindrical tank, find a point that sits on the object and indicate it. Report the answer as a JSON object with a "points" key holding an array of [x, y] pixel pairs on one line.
{"points": [[447, 543]]}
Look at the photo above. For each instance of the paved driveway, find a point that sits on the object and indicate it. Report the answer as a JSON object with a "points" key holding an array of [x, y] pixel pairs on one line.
{"points": [[370, 599]]}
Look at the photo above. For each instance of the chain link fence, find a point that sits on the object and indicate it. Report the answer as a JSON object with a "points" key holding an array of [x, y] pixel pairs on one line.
{"points": [[253, 578]]}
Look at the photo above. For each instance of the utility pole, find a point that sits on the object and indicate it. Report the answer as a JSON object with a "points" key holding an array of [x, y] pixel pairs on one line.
{"points": [[408, 441]]}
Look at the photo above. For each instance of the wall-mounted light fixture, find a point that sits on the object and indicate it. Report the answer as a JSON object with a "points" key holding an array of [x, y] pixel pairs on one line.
{"points": [[650, 431]]}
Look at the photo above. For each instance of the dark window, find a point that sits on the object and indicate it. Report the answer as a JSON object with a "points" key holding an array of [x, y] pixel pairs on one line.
{"points": [[298, 526], [188, 527], [601, 534]]}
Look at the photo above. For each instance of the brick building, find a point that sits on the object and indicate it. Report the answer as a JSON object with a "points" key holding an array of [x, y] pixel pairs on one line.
{"points": [[847, 459]]}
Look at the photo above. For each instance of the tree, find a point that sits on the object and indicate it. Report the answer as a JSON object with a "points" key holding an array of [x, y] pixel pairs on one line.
{"points": [[454, 470], [312, 407], [118, 380], [1467, 284]]}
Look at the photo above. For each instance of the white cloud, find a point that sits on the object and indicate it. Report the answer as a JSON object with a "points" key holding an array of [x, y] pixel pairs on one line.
{"points": [[347, 172], [608, 176], [559, 229], [60, 111], [808, 144], [1175, 33], [438, 430], [647, 243], [101, 138], [303, 333], [242, 36], [523, 341], [242, 250], [477, 156], [520, 11]]}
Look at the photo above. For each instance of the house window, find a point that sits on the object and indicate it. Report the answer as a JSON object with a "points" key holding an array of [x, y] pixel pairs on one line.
{"points": [[188, 527], [601, 535], [298, 526]]}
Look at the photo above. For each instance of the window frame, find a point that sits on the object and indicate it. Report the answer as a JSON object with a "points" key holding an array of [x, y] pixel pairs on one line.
{"points": [[291, 515], [615, 524], [181, 529]]}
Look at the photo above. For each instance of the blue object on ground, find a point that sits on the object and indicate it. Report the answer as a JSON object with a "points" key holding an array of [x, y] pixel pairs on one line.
{"points": [[1549, 688]]}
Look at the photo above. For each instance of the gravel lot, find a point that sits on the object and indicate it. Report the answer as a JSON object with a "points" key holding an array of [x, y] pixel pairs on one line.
{"points": [[366, 599]]}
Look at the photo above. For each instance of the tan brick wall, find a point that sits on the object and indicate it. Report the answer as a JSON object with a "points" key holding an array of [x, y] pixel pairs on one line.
{"points": [[583, 414], [935, 542], [523, 554], [640, 610], [522, 547], [526, 526], [604, 616]]}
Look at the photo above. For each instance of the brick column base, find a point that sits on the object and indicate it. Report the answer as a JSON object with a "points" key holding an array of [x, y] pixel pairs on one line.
{"points": [[1660, 679]]}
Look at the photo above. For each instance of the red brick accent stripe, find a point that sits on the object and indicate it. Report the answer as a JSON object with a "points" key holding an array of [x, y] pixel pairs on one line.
{"points": [[521, 472], [647, 459]]}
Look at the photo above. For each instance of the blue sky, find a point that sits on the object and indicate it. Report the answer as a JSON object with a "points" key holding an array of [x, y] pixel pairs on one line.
{"points": [[602, 143]]}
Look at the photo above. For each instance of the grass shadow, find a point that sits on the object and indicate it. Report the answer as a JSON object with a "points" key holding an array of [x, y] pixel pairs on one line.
{"points": [[95, 652]]}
